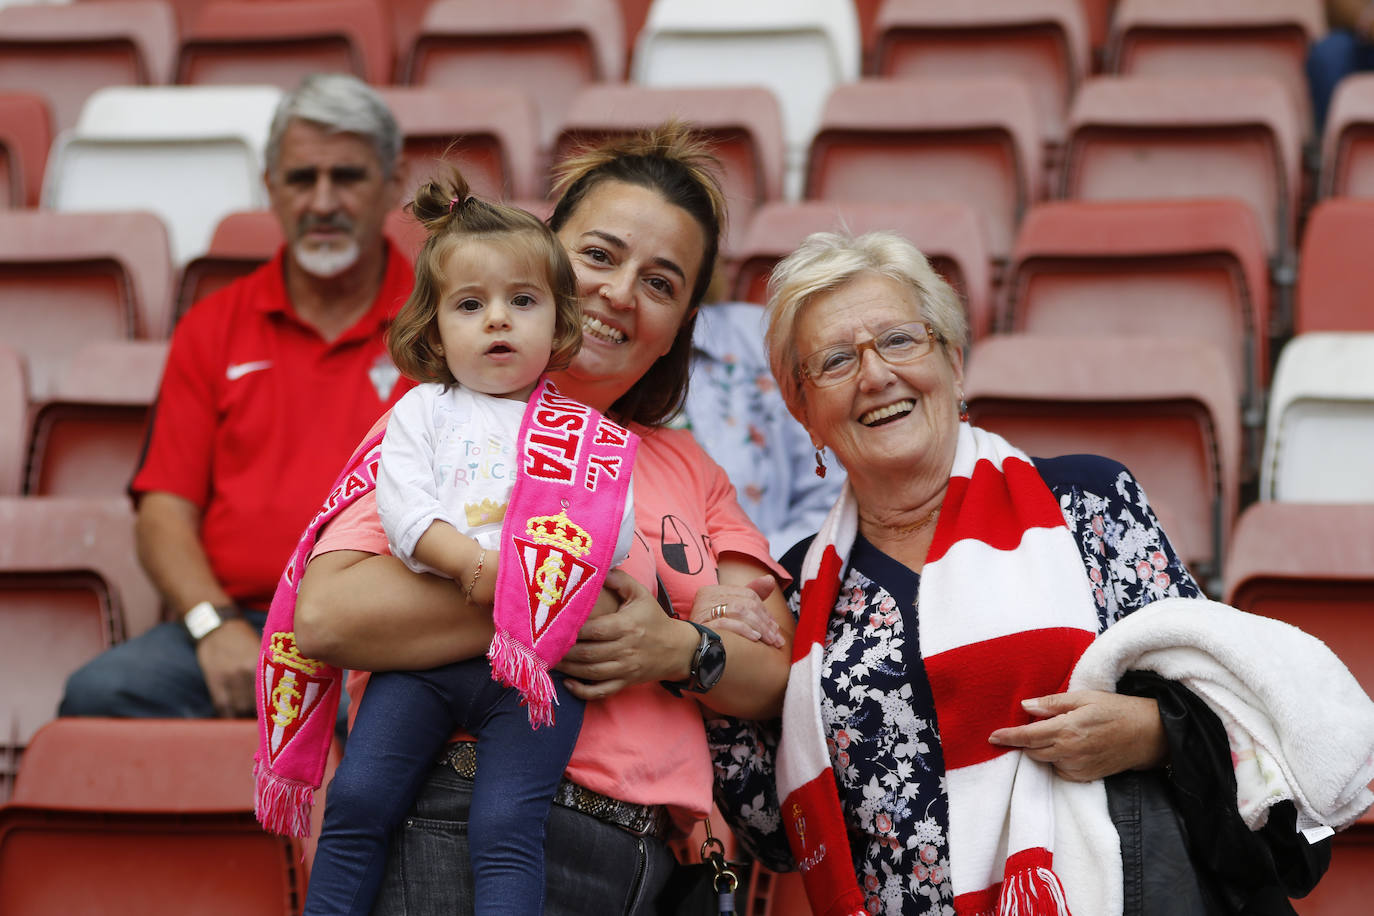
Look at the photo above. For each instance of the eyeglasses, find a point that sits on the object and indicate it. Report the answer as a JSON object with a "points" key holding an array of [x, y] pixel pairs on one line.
{"points": [[897, 346]]}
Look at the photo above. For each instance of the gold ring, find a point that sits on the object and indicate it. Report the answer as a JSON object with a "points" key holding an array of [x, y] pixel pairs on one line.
{"points": [[718, 611]]}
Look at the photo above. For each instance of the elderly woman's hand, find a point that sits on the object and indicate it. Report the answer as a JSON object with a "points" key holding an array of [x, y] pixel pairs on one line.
{"points": [[1089, 734], [739, 609]]}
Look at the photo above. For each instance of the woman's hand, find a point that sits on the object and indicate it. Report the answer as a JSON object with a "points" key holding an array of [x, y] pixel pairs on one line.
{"points": [[1089, 734], [635, 644], [741, 610]]}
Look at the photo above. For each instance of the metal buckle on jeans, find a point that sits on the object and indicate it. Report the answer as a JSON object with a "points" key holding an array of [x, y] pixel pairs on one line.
{"points": [[641, 820]]}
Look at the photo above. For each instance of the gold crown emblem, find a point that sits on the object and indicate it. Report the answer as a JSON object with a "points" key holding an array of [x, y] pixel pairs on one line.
{"points": [[487, 512], [284, 652], [561, 532]]}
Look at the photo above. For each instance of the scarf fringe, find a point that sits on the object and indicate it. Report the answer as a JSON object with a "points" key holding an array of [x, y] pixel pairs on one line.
{"points": [[282, 805], [514, 664], [1032, 892]]}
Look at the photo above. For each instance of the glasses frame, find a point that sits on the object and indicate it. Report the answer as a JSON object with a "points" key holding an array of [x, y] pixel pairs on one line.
{"points": [[860, 348]]}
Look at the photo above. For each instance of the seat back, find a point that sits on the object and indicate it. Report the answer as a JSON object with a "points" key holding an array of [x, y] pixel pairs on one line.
{"points": [[1335, 273], [89, 437], [238, 42], [25, 135], [490, 134], [1219, 38], [156, 148], [1044, 43], [550, 49], [141, 816], [1194, 268], [14, 421], [1320, 427], [973, 141], [950, 235], [1347, 168], [70, 278], [743, 125], [65, 52], [242, 242], [798, 49], [1166, 409]]}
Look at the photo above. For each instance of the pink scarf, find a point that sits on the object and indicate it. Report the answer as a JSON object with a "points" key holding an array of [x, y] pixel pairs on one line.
{"points": [[569, 496], [578, 462], [1005, 611]]}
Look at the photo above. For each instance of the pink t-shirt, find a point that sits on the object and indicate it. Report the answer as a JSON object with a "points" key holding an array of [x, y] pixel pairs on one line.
{"points": [[642, 745]]}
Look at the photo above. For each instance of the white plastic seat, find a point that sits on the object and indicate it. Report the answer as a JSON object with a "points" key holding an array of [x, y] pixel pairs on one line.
{"points": [[191, 154], [1320, 431], [799, 49]]}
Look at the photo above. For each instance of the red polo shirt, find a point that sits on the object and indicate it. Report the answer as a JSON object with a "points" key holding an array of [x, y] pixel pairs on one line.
{"points": [[257, 414]]}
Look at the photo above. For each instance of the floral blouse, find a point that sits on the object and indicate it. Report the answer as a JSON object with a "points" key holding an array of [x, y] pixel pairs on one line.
{"points": [[878, 710]]}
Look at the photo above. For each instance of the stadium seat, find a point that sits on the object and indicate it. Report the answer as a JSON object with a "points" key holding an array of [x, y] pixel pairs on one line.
{"points": [[1042, 42], [88, 436], [147, 817], [70, 586], [972, 140], [1320, 429], [548, 48], [1335, 270], [1165, 407], [64, 52], [1147, 137], [70, 278], [233, 42], [742, 123], [491, 134], [1193, 268], [191, 154], [949, 234], [25, 135], [798, 49], [14, 421], [1347, 168], [241, 243], [1219, 38], [1098, 16]]}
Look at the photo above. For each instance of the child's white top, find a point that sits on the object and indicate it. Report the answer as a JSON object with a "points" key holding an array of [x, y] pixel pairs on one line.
{"points": [[449, 454]]}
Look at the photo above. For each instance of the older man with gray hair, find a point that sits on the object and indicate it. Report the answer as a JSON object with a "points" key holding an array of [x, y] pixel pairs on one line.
{"points": [[269, 384]]}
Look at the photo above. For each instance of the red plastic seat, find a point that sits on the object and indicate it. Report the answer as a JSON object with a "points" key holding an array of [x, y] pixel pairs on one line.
{"points": [[892, 141], [1219, 38], [89, 436], [1043, 42], [1166, 408], [65, 52], [70, 587], [949, 234], [14, 421], [549, 48], [1147, 138], [241, 243], [491, 134], [146, 816], [743, 125], [25, 135], [1335, 271], [1348, 142], [279, 43], [1193, 268], [70, 278]]}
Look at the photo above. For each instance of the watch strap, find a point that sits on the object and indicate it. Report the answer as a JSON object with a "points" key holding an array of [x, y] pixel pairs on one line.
{"points": [[693, 681]]}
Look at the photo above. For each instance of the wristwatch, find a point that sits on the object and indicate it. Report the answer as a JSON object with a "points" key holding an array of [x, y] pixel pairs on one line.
{"points": [[205, 618], [708, 664]]}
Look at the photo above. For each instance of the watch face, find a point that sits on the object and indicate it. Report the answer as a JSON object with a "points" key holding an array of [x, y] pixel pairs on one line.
{"points": [[711, 663]]}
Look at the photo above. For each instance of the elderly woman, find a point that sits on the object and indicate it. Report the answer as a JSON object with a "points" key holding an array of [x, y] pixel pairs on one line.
{"points": [[942, 608]]}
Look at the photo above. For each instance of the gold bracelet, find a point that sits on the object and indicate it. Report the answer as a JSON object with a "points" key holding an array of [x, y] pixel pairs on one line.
{"points": [[477, 572]]}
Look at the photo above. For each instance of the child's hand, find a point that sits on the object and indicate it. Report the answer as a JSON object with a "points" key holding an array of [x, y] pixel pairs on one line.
{"points": [[484, 587]]}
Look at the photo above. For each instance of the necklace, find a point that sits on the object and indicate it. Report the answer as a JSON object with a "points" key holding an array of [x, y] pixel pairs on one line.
{"points": [[918, 525]]}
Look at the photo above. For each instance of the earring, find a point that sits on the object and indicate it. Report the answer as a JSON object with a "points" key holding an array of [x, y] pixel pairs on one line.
{"points": [[820, 461], [963, 410]]}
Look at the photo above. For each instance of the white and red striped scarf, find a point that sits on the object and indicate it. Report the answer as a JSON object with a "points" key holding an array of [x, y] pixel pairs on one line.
{"points": [[1005, 611]]}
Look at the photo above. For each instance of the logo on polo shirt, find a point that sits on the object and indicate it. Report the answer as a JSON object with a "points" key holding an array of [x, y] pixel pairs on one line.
{"points": [[237, 371], [384, 375]]}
